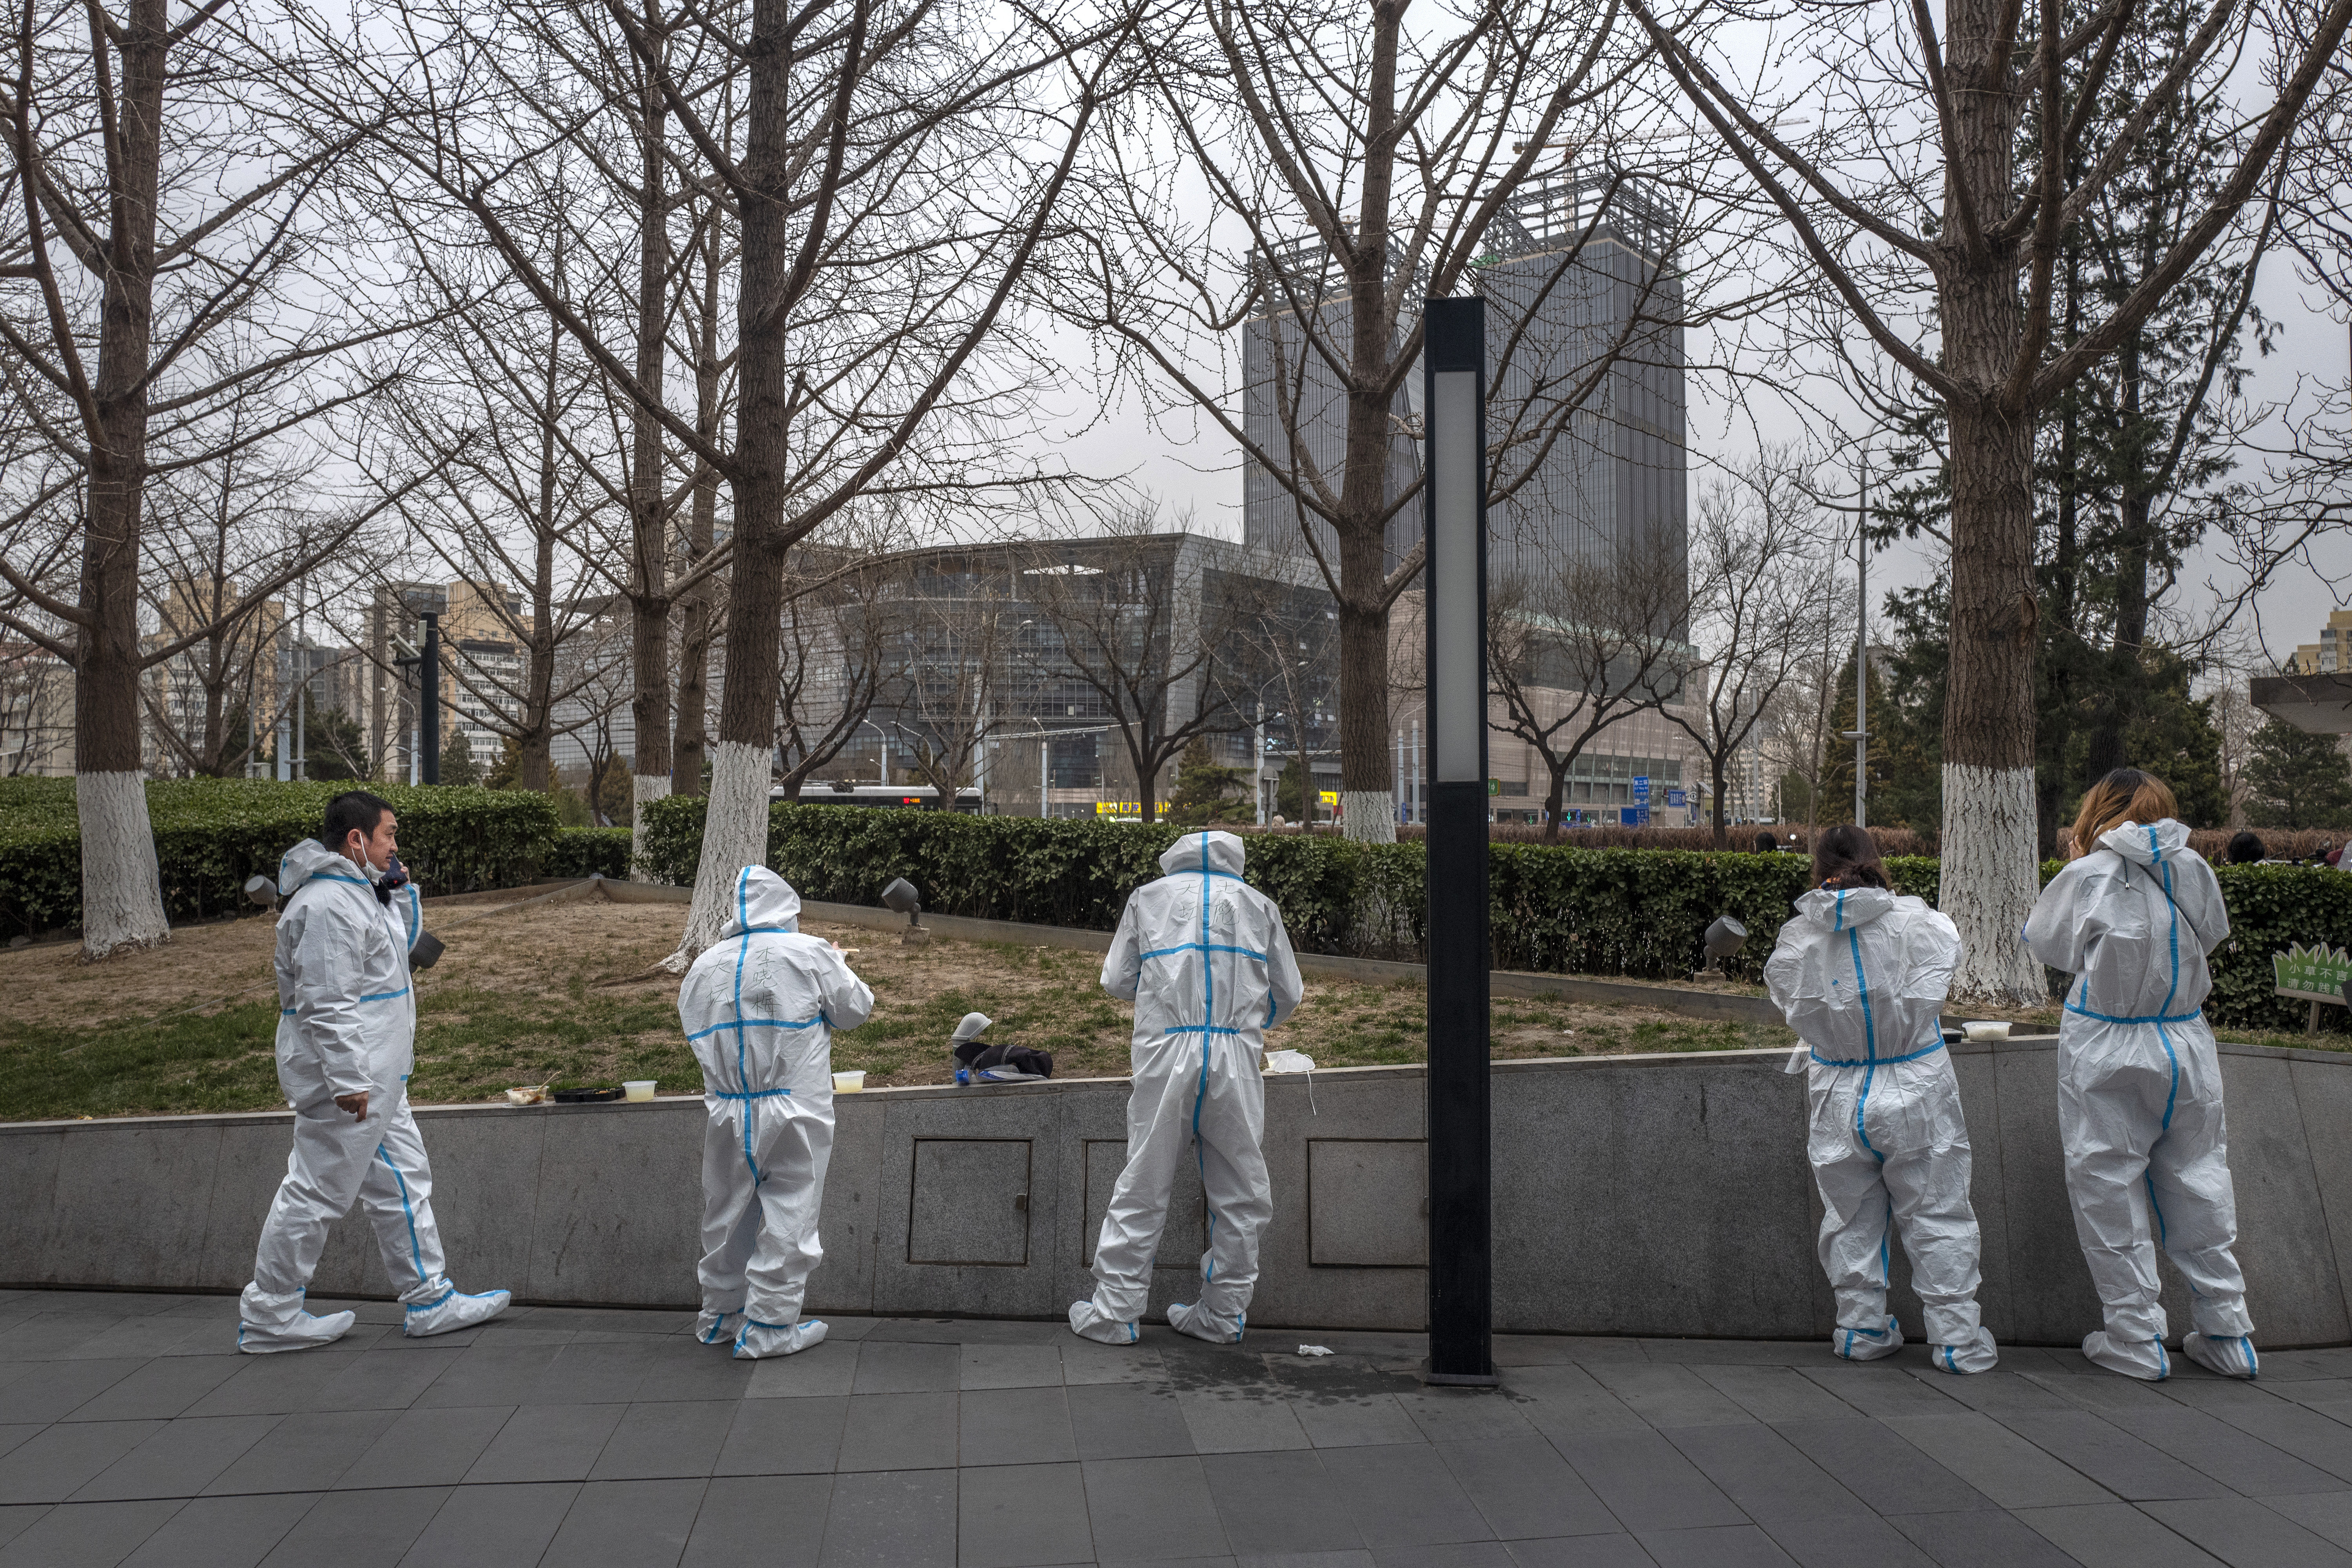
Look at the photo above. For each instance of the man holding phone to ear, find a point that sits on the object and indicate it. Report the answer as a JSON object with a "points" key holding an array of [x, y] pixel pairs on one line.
{"points": [[346, 1041]]}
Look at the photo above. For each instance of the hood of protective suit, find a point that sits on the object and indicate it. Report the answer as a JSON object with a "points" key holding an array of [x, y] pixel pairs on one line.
{"points": [[763, 901], [1222, 851], [308, 860], [1834, 909], [2146, 844]]}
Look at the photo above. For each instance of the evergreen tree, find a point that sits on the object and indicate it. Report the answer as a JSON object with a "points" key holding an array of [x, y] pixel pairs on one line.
{"points": [[507, 771], [2297, 779], [1205, 791], [457, 761], [333, 746]]}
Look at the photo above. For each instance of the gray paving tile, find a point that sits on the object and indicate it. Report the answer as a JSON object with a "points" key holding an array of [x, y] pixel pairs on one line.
{"points": [[1152, 1509], [1402, 1495], [1645, 1481], [1995, 1461], [1015, 1426], [223, 1532], [1878, 1389], [426, 1448], [1721, 1352], [179, 1461], [2115, 1535], [99, 1534], [1128, 1421], [680, 1369], [1667, 1395], [17, 1518], [1022, 1515], [1774, 1392], [1875, 1464], [2243, 1533], [1465, 1415], [2236, 1459], [1980, 1538], [379, 1382], [777, 1521], [1459, 1555], [830, 1369], [1276, 1503], [492, 1527], [52, 1335], [627, 1524], [547, 1443], [306, 1453], [159, 1334], [1524, 1491], [505, 1374], [2110, 1456], [160, 1389], [1354, 1423], [889, 1366], [784, 1437], [2314, 1436], [1240, 1421], [1712, 1546], [1009, 1366], [612, 1369], [1841, 1543], [1084, 1362], [13, 1437], [2329, 1395], [891, 1518], [649, 1321], [359, 1529], [1994, 1393], [898, 1432], [1581, 1552], [2325, 1514], [1565, 1401], [272, 1384], [1768, 1478], [58, 1461], [665, 1439]]}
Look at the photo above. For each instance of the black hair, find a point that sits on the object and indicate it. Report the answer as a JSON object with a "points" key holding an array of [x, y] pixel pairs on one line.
{"points": [[354, 810], [2245, 849], [1767, 844], [1847, 857]]}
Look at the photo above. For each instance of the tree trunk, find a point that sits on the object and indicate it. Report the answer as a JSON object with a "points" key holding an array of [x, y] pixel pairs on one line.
{"points": [[701, 603], [121, 890], [2110, 742], [648, 601], [1554, 800], [1715, 765]]}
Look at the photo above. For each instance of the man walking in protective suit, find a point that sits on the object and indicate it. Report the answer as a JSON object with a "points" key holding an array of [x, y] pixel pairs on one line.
{"points": [[1203, 957], [2139, 1083], [346, 1042], [759, 1008]]}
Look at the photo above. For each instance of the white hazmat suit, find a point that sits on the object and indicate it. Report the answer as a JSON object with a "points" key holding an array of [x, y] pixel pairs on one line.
{"points": [[347, 1025], [1859, 974], [759, 1008], [1203, 957], [2140, 1094]]}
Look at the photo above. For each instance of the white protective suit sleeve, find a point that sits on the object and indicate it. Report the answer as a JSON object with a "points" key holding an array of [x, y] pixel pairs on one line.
{"points": [[328, 954], [1123, 969]]}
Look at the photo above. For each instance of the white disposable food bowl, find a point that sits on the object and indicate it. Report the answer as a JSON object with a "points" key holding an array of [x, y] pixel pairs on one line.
{"points": [[639, 1087], [849, 1082], [1985, 1031]]}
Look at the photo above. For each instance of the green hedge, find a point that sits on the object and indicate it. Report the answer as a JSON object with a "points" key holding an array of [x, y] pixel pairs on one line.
{"points": [[212, 834], [1638, 912], [587, 851]]}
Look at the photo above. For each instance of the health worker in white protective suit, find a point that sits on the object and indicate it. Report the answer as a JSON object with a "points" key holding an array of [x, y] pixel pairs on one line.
{"points": [[1859, 974], [2140, 1084], [759, 1008], [1203, 957], [346, 1042]]}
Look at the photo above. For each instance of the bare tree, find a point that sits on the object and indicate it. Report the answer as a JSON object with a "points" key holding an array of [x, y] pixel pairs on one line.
{"points": [[1763, 594], [1930, 179], [35, 709], [948, 618], [841, 653], [1577, 642]]}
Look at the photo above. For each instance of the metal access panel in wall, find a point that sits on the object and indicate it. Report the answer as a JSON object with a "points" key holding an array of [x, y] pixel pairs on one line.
{"points": [[1180, 1240], [1368, 1203], [970, 1202]]}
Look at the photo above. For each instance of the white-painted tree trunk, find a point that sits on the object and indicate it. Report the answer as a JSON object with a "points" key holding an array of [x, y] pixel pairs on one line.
{"points": [[734, 834], [122, 886], [1368, 816], [644, 790], [1988, 882]]}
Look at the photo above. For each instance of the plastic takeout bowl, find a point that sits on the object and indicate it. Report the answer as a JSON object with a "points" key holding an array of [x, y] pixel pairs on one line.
{"points": [[1985, 1031], [638, 1087], [852, 1082]]}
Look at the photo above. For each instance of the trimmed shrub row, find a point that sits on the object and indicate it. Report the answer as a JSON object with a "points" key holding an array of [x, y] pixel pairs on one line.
{"points": [[1636, 912], [588, 851], [211, 835]]}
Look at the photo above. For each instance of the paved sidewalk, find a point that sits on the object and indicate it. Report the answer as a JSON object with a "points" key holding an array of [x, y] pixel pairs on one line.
{"points": [[129, 1432]]}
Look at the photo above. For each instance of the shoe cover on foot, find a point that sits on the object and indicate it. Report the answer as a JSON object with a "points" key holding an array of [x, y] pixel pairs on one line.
{"points": [[1088, 1324], [453, 1310], [717, 1328], [305, 1331], [755, 1340], [1977, 1355], [2232, 1356], [1863, 1344], [2142, 1359], [1203, 1325]]}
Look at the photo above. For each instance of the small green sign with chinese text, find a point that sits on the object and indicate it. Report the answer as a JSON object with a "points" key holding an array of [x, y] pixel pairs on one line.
{"points": [[2317, 973]]}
